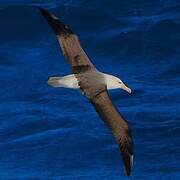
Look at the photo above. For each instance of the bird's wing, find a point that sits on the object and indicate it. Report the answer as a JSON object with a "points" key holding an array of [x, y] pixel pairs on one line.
{"points": [[69, 43], [117, 124], [96, 92]]}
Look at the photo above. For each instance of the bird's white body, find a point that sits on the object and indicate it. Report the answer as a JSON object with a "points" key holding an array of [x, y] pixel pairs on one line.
{"points": [[70, 81]]}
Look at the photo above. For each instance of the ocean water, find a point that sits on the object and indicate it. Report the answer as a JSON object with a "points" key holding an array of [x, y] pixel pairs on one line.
{"points": [[48, 133]]}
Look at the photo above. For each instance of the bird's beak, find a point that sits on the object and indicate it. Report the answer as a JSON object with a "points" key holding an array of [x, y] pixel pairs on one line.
{"points": [[126, 88]]}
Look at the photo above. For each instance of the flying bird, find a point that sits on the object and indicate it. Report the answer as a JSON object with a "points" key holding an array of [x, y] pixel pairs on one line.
{"points": [[93, 84]]}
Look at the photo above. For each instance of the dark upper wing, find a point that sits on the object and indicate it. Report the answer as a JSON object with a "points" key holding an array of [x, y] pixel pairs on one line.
{"points": [[69, 43], [118, 125], [95, 92]]}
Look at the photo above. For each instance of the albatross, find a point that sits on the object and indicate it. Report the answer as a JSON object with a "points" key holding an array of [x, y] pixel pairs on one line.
{"points": [[93, 84]]}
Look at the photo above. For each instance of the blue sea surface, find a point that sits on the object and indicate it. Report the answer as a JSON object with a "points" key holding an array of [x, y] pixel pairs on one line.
{"points": [[50, 133]]}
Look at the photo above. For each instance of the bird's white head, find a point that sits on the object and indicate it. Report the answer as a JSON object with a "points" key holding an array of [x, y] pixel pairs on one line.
{"points": [[114, 83], [123, 86]]}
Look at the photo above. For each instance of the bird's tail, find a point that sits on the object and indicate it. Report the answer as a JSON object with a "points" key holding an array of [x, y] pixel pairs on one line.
{"points": [[55, 82], [68, 81]]}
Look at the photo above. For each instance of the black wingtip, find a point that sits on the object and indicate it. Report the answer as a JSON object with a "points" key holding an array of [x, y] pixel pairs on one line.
{"points": [[47, 14], [128, 162], [42, 10], [126, 146], [59, 27]]}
